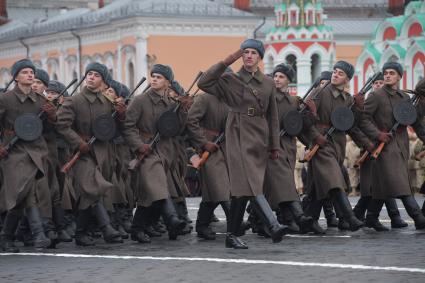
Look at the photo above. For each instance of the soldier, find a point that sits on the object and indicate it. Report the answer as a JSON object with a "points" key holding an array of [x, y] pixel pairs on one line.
{"points": [[279, 183], [325, 168], [378, 119], [252, 131], [152, 192], [18, 189], [366, 188], [206, 122], [93, 171]]}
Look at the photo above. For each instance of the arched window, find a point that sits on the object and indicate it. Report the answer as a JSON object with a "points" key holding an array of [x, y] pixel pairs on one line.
{"points": [[130, 75], [315, 67], [292, 61]]}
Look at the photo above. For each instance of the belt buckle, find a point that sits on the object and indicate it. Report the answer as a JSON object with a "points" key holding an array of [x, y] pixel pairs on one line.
{"points": [[251, 111]]}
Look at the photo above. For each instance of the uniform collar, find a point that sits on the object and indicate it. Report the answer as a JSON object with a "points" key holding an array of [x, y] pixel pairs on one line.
{"points": [[157, 97], [391, 91], [22, 96], [247, 76], [282, 95], [92, 96], [336, 92]]}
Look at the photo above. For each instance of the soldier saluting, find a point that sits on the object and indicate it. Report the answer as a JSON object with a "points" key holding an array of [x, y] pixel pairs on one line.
{"points": [[18, 189], [252, 131]]}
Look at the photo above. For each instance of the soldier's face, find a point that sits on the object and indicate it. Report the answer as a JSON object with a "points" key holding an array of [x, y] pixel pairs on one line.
{"points": [[51, 95], [251, 58], [391, 77], [110, 92], [94, 81], [280, 80], [38, 86], [25, 77], [159, 82], [323, 82], [377, 84], [339, 78]]}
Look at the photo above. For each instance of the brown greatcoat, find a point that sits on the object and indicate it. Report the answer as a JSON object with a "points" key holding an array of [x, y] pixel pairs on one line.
{"points": [[324, 169], [140, 127], [252, 127], [92, 173], [279, 184], [25, 163], [206, 120], [390, 174]]}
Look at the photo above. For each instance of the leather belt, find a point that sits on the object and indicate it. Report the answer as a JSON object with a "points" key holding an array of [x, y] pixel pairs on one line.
{"points": [[251, 111]]}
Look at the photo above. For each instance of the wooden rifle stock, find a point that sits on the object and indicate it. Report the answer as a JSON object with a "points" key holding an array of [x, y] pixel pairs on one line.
{"points": [[378, 150], [65, 169], [362, 158], [205, 155], [135, 163], [310, 153]]}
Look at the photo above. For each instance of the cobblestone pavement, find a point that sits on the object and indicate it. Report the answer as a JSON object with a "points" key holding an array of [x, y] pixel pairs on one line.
{"points": [[362, 256]]}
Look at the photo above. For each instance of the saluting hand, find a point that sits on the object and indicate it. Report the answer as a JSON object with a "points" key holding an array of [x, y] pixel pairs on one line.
{"points": [[229, 60]]}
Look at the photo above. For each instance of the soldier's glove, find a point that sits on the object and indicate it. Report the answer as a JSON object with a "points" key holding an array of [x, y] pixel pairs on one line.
{"points": [[320, 140], [359, 101], [84, 147], [144, 149], [121, 109], [186, 102], [311, 106], [3, 152], [229, 60], [384, 137], [274, 154], [50, 111], [210, 147], [370, 147]]}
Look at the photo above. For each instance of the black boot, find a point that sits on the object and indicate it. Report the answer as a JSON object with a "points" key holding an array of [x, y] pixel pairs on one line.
{"points": [[328, 210], [237, 211], [372, 216], [206, 209], [139, 225], [414, 211], [36, 226], [286, 217], [110, 235], [81, 236], [361, 207], [267, 216], [394, 214], [341, 201], [7, 238], [304, 222], [313, 209], [173, 222], [59, 220], [181, 208]]}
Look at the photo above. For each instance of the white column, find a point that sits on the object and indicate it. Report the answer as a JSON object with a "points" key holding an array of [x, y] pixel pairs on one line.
{"points": [[63, 74], [303, 75], [141, 62], [119, 63]]}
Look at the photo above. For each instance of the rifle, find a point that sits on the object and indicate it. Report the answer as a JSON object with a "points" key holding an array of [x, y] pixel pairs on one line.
{"points": [[15, 138], [65, 168], [135, 163], [204, 156], [303, 107], [368, 85], [378, 150]]}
